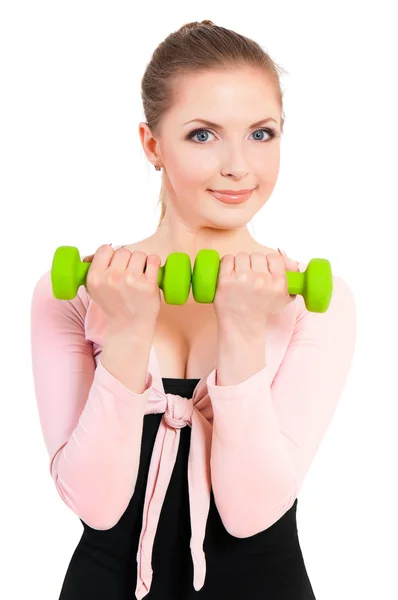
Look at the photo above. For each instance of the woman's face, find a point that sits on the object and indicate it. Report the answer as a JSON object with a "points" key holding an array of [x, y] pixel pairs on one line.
{"points": [[229, 155]]}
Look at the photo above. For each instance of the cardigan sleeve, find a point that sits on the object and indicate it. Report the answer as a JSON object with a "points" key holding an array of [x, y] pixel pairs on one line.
{"points": [[91, 423], [266, 434]]}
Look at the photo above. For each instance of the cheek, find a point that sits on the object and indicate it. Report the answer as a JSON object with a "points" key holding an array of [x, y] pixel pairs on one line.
{"points": [[274, 161], [268, 159], [268, 170], [196, 170], [195, 156]]}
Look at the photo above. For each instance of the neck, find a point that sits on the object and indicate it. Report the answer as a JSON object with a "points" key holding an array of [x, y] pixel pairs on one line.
{"points": [[178, 237]]}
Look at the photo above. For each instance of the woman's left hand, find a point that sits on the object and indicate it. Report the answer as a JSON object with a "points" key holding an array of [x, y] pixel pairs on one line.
{"points": [[251, 288]]}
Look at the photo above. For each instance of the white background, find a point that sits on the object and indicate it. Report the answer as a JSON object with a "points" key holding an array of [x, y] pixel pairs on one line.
{"points": [[73, 172]]}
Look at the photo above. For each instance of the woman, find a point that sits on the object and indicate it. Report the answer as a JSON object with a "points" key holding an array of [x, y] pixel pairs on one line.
{"points": [[181, 434]]}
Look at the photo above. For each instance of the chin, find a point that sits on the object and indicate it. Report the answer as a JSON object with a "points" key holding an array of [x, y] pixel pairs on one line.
{"points": [[229, 221]]}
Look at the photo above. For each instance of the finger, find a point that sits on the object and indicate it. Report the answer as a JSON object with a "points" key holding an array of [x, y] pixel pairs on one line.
{"points": [[291, 265], [152, 267], [227, 264], [276, 263], [121, 259], [259, 263], [103, 257], [242, 263], [136, 262]]}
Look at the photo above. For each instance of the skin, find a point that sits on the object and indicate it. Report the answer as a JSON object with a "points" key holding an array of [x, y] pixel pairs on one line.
{"points": [[233, 156]]}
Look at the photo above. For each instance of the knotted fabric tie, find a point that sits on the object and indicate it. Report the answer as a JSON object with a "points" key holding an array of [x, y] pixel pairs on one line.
{"points": [[178, 412]]}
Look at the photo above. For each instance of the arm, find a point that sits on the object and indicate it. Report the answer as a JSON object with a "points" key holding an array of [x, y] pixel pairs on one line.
{"points": [[91, 421], [266, 434]]}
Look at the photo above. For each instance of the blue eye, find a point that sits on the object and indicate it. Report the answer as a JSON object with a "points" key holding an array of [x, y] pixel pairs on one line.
{"points": [[271, 132]]}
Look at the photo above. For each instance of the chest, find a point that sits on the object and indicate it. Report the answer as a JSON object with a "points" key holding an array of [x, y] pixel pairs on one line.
{"points": [[185, 340]]}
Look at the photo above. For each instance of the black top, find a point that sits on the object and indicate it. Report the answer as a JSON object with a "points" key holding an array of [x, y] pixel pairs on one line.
{"points": [[265, 566]]}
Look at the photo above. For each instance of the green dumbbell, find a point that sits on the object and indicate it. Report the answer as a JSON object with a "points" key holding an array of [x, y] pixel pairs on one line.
{"points": [[68, 273], [315, 284]]}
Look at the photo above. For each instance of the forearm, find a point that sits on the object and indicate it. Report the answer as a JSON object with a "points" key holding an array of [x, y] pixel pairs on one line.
{"points": [[251, 470], [125, 354], [239, 355], [96, 471]]}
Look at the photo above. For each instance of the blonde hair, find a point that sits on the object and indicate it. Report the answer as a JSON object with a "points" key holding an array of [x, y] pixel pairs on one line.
{"points": [[198, 47]]}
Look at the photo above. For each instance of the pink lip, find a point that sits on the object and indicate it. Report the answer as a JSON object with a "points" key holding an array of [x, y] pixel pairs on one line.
{"points": [[233, 192], [232, 198]]}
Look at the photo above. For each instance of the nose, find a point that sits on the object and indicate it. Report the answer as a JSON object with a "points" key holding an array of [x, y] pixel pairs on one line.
{"points": [[235, 164], [236, 173]]}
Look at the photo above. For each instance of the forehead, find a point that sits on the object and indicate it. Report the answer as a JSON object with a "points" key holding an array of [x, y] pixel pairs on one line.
{"points": [[234, 94]]}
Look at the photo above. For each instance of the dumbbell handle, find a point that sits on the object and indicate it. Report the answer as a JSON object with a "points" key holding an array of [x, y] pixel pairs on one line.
{"points": [[295, 280], [82, 269]]}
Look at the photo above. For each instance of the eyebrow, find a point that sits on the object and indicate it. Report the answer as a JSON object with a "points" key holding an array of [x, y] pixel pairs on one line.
{"points": [[210, 124]]}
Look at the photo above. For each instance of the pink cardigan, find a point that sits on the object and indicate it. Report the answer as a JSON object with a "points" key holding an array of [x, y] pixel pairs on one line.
{"points": [[270, 424]]}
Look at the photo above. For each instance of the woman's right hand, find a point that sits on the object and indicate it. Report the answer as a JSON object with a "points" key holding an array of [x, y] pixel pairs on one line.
{"points": [[116, 281]]}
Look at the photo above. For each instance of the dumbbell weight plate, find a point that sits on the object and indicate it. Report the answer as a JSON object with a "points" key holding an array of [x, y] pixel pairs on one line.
{"points": [[174, 278], [205, 275], [68, 272]]}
